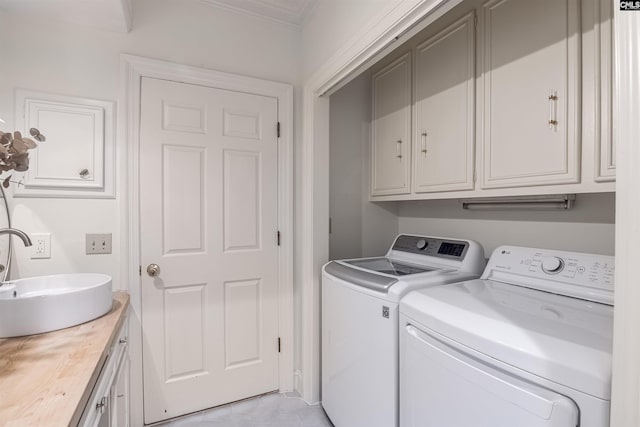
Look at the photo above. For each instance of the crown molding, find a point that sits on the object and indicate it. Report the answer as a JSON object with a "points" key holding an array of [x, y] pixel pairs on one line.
{"points": [[292, 14]]}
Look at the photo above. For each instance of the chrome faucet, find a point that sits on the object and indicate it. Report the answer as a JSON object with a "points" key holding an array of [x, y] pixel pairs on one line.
{"points": [[21, 234]]}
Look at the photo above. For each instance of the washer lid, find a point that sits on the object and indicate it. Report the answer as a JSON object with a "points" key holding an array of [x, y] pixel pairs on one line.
{"points": [[562, 339], [366, 279], [388, 266]]}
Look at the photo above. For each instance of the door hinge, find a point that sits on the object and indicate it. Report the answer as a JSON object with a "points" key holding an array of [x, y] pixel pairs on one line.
{"points": [[278, 237], [139, 270], [330, 227], [278, 344], [278, 129], [475, 21]]}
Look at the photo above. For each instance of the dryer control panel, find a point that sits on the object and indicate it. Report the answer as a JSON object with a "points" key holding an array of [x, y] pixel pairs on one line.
{"points": [[431, 246], [585, 276]]}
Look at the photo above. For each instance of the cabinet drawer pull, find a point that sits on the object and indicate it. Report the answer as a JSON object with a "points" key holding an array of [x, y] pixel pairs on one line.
{"points": [[399, 149], [553, 109], [424, 143]]}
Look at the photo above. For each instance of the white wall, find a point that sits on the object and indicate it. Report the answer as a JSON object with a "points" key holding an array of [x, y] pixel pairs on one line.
{"points": [[50, 56], [358, 227], [332, 24], [588, 227]]}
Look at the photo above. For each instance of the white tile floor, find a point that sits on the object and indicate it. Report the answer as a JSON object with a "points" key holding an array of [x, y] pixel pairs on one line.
{"points": [[269, 410]]}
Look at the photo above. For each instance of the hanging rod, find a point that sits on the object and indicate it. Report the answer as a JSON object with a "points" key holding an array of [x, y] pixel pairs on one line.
{"points": [[551, 202]]}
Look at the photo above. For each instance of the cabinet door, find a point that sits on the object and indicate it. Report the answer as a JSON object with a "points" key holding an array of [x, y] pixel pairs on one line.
{"points": [[120, 395], [531, 90], [391, 148], [605, 142], [444, 109], [77, 159]]}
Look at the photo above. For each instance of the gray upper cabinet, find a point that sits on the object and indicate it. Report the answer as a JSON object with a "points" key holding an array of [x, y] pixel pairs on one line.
{"points": [[531, 92], [444, 108], [391, 133], [603, 64], [507, 98]]}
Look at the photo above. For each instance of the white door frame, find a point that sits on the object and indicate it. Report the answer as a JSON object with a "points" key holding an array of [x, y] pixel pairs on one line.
{"points": [[374, 42], [626, 323], [133, 68]]}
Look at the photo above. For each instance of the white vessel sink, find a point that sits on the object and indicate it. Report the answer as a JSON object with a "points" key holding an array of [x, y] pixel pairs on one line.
{"points": [[47, 303]]}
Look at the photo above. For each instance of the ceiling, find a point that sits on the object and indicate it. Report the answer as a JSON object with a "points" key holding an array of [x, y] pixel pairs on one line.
{"points": [[114, 15], [289, 12]]}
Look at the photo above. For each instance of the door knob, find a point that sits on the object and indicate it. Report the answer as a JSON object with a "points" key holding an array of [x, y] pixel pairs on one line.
{"points": [[153, 270]]}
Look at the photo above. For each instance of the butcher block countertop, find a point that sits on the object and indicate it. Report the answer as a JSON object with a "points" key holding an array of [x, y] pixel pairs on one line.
{"points": [[46, 379]]}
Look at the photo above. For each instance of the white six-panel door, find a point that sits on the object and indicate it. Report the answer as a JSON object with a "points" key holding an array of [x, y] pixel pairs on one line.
{"points": [[208, 203]]}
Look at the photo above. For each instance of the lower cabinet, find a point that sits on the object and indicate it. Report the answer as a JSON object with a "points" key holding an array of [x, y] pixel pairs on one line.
{"points": [[108, 405], [120, 395]]}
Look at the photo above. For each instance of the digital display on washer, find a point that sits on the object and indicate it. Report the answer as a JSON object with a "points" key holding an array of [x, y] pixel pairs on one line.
{"points": [[451, 249], [387, 266]]}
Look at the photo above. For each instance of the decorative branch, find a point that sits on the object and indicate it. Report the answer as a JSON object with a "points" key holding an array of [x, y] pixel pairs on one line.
{"points": [[14, 152]]}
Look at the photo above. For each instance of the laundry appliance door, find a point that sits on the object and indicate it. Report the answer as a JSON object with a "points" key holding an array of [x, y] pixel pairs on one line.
{"points": [[442, 385], [359, 356]]}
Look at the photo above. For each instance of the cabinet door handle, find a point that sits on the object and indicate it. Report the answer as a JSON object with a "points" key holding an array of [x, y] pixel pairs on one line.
{"points": [[424, 143], [553, 109], [399, 148]]}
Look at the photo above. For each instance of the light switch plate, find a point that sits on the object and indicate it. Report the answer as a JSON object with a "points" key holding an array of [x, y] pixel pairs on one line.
{"points": [[40, 245], [98, 244]]}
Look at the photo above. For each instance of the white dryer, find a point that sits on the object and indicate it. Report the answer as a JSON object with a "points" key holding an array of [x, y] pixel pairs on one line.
{"points": [[528, 344], [360, 322]]}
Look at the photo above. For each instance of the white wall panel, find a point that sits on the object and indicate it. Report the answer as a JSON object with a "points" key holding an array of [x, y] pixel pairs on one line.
{"points": [[183, 206], [358, 227], [589, 227], [242, 124], [242, 195], [184, 118], [185, 328], [242, 331]]}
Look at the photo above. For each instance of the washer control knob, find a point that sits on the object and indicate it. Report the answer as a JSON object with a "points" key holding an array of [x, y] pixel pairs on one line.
{"points": [[422, 244], [552, 264]]}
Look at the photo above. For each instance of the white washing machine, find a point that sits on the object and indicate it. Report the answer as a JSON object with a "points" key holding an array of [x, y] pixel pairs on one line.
{"points": [[360, 322], [528, 344]]}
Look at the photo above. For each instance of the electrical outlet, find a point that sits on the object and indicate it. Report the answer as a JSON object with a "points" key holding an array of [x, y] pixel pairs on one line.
{"points": [[98, 244], [40, 245]]}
